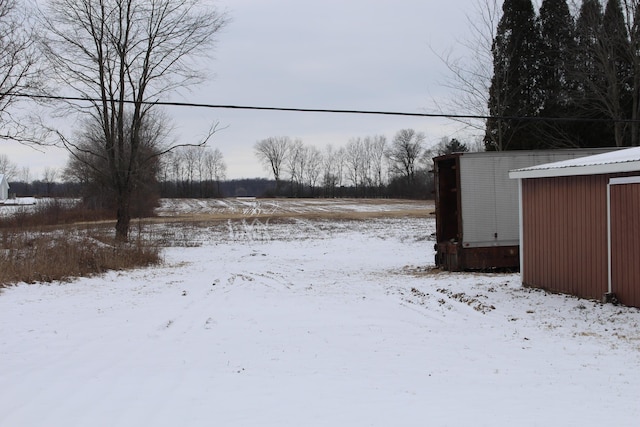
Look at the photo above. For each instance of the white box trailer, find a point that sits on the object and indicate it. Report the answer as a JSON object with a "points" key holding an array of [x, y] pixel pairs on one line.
{"points": [[477, 212]]}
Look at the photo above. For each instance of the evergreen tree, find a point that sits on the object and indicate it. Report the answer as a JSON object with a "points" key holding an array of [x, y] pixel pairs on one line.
{"points": [[590, 82], [514, 90], [588, 26], [557, 47], [455, 146], [557, 50], [616, 68], [634, 46]]}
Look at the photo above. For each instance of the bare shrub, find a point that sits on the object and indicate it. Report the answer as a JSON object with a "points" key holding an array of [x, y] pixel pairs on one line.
{"points": [[45, 257], [47, 243]]}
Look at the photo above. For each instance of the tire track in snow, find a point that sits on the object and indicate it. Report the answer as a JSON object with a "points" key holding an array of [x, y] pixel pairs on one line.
{"points": [[198, 307]]}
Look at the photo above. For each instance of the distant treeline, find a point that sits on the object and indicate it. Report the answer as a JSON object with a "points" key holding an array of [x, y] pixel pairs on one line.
{"points": [[250, 187], [44, 189]]}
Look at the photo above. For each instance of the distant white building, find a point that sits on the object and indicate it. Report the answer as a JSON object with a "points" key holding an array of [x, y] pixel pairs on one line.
{"points": [[4, 187]]}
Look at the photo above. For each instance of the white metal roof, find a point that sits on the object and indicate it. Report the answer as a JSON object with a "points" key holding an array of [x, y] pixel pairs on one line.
{"points": [[612, 162], [525, 153]]}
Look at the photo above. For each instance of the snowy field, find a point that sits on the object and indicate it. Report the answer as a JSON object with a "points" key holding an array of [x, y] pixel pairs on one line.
{"points": [[9, 207], [311, 321], [22, 201]]}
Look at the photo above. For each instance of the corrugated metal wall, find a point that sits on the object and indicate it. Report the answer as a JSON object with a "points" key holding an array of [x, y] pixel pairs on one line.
{"points": [[489, 199], [478, 200], [477, 212], [625, 242], [565, 234]]}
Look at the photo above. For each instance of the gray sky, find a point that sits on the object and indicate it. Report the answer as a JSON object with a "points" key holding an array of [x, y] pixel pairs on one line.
{"points": [[333, 54]]}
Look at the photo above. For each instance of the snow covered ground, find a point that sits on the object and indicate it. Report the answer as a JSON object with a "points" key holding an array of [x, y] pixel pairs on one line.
{"points": [[6, 204], [10, 207], [312, 322]]}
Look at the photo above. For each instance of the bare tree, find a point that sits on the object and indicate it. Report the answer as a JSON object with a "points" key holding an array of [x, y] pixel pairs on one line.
{"points": [[178, 170], [25, 174], [377, 150], [470, 74], [191, 160], [295, 163], [167, 174], [215, 167], [7, 167], [192, 171], [354, 154], [406, 148], [122, 55], [272, 153], [340, 165], [313, 167], [50, 174], [90, 163], [332, 161], [49, 178], [19, 68]]}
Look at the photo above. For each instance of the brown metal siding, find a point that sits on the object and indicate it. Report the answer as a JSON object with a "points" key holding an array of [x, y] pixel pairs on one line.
{"points": [[565, 234], [625, 243]]}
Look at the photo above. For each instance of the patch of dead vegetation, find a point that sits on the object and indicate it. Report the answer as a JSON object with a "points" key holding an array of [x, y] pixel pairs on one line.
{"points": [[420, 271], [60, 240], [45, 257], [53, 212], [472, 301]]}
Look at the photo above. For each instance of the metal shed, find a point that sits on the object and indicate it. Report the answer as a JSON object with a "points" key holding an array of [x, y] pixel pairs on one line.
{"points": [[477, 206], [580, 226]]}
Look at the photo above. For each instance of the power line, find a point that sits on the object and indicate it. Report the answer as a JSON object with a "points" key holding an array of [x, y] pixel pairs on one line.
{"points": [[326, 110]]}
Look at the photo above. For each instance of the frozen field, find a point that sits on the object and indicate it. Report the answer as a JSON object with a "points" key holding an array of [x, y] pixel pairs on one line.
{"points": [[324, 319]]}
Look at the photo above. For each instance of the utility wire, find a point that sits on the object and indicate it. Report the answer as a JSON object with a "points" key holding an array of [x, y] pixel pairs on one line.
{"points": [[326, 110]]}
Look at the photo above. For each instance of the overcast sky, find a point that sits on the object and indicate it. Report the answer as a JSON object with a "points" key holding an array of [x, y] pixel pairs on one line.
{"points": [[330, 54]]}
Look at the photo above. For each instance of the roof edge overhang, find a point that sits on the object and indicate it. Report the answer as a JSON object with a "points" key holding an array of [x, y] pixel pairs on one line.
{"points": [[523, 153], [596, 169]]}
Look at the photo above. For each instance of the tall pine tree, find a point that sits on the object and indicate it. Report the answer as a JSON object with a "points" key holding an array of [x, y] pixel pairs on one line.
{"points": [[514, 91], [556, 75], [590, 83], [634, 36], [546, 67], [613, 50]]}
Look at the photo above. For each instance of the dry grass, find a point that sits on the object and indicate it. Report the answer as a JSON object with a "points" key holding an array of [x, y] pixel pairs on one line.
{"points": [[44, 257], [52, 212], [48, 243]]}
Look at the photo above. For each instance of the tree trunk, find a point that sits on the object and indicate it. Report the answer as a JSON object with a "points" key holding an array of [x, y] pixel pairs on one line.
{"points": [[635, 111], [123, 216], [618, 131]]}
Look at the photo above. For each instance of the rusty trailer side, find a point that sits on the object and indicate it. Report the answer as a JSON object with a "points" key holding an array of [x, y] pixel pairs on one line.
{"points": [[456, 190], [477, 208], [452, 256]]}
